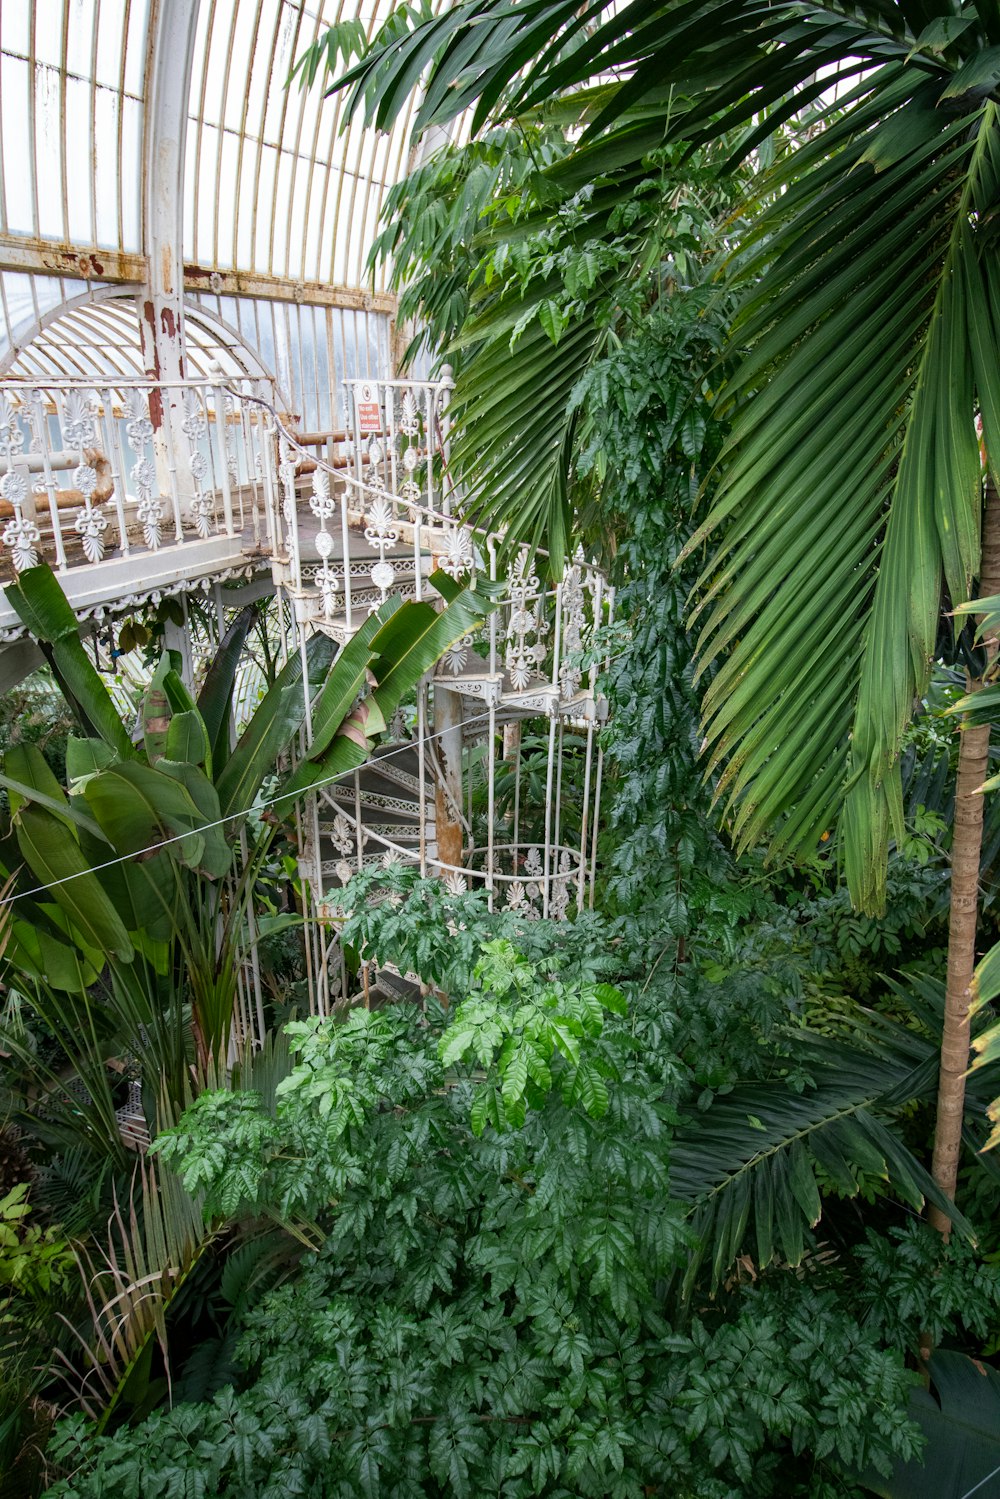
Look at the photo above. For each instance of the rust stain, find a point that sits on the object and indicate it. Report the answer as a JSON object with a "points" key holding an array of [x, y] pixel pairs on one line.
{"points": [[152, 364]]}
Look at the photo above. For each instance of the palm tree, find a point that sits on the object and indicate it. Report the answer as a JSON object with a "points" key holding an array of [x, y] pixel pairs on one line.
{"points": [[849, 513]]}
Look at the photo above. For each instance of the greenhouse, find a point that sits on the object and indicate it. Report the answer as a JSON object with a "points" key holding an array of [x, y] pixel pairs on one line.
{"points": [[499, 832]]}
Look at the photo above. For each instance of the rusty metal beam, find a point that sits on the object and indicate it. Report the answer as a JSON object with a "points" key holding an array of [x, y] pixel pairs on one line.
{"points": [[20, 252], [283, 289], [48, 258]]}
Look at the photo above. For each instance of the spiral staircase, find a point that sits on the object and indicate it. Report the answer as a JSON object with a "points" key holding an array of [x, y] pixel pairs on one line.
{"points": [[140, 490]]}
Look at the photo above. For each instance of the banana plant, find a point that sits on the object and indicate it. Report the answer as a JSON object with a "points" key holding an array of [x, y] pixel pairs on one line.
{"points": [[131, 899]]}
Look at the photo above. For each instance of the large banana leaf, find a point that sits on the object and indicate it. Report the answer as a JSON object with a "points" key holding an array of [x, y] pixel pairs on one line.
{"points": [[960, 1417], [27, 777], [272, 728], [409, 639], [215, 700], [417, 635], [57, 862], [346, 679], [42, 606], [138, 806]]}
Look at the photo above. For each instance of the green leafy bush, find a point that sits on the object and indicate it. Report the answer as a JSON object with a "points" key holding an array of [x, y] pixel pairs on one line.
{"points": [[486, 1308]]}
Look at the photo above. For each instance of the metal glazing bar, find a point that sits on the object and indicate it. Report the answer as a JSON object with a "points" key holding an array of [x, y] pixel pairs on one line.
{"points": [[584, 815], [422, 772]]}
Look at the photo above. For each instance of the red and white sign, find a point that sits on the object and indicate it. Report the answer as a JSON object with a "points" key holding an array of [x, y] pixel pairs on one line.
{"points": [[368, 407]]}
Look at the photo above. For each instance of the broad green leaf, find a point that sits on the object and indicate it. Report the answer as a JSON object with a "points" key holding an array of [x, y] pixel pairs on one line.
{"points": [[416, 636], [346, 678], [27, 777], [215, 701], [217, 854], [156, 712], [56, 861], [85, 756], [40, 603], [960, 1417], [272, 728], [187, 739], [50, 960], [140, 806]]}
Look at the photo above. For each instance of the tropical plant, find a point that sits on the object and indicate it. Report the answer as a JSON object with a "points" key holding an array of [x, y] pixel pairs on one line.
{"points": [[480, 1309], [130, 909], [125, 917], [850, 498]]}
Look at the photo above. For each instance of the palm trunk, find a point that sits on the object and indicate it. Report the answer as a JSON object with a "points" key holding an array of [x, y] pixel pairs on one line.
{"points": [[966, 851]]}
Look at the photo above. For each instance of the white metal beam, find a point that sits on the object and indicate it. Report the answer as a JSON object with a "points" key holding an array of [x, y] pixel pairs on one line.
{"points": [[168, 84]]}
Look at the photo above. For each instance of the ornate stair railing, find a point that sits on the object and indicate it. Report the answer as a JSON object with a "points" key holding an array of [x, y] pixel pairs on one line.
{"points": [[131, 489], [520, 822]]}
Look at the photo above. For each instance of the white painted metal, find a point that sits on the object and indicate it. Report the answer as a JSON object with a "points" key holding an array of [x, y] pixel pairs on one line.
{"points": [[242, 493]]}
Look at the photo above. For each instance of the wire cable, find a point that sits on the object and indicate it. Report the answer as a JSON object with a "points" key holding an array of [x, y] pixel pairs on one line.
{"points": [[976, 1487]]}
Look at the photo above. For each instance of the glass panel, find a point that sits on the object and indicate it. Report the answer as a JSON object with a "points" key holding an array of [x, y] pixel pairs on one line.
{"points": [[48, 153], [14, 140], [78, 183]]}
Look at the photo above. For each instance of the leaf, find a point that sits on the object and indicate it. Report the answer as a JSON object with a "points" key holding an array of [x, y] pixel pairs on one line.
{"points": [[155, 712], [591, 1089], [553, 319], [217, 853], [138, 806], [85, 756], [215, 700], [416, 636], [977, 75], [960, 1417], [187, 739], [767, 1133], [56, 861], [271, 729], [40, 603], [27, 777]]}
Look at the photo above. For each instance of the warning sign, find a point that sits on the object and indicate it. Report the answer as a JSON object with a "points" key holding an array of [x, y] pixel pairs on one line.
{"points": [[368, 407]]}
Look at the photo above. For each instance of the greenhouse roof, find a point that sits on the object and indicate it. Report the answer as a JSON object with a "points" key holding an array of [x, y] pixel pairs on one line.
{"points": [[273, 186]]}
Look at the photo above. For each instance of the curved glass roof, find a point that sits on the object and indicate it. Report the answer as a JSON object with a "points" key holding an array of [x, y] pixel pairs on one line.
{"points": [[273, 185], [71, 120], [278, 203], [100, 337]]}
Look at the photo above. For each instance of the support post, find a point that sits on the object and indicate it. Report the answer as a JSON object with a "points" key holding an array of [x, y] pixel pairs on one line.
{"points": [[161, 300], [448, 777]]}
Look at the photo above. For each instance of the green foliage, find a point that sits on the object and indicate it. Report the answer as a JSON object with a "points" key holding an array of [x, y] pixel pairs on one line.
{"points": [[481, 1313], [533, 1034], [433, 218], [394, 916], [651, 440], [911, 1286], [35, 1262]]}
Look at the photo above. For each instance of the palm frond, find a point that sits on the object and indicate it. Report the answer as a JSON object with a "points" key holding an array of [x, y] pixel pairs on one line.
{"points": [[750, 1162], [154, 1240]]}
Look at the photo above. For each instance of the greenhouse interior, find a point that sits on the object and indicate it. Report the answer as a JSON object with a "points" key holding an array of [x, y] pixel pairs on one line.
{"points": [[499, 824]]}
